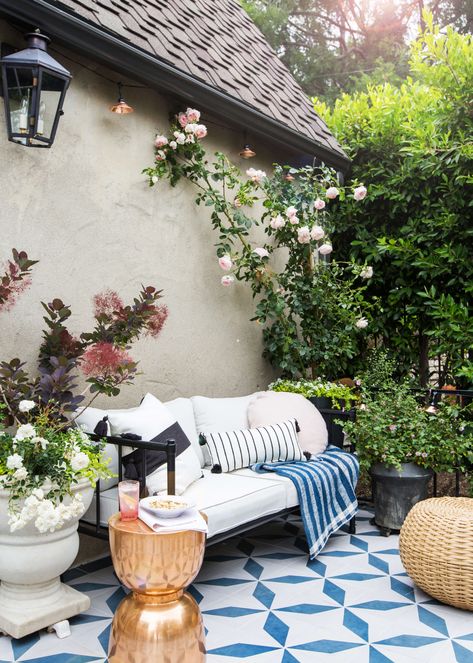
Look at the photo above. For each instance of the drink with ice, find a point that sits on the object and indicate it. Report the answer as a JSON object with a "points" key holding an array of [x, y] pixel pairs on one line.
{"points": [[129, 497]]}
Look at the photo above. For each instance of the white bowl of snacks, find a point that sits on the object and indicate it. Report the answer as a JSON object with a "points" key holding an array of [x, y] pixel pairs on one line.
{"points": [[166, 506]]}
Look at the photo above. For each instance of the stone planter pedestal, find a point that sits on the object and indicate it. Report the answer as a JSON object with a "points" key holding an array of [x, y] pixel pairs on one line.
{"points": [[32, 596]]}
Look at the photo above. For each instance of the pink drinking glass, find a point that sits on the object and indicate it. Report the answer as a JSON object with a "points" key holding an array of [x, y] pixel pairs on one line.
{"points": [[129, 497]]}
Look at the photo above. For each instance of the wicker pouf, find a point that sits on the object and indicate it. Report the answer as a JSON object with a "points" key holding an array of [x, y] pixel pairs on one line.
{"points": [[436, 546]]}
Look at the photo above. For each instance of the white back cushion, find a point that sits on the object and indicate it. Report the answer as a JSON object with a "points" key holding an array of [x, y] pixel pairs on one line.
{"points": [[214, 415], [153, 421], [182, 410]]}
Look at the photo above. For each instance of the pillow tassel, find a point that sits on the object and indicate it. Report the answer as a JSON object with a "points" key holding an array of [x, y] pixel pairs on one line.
{"points": [[298, 428], [216, 469], [101, 428], [202, 440]]}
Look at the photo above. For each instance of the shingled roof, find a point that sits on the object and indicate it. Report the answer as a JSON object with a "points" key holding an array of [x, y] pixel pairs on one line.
{"points": [[213, 41]]}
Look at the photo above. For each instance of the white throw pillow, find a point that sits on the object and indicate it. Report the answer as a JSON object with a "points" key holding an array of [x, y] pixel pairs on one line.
{"points": [[152, 421], [271, 407], [233, 450], [183, 411], [214, 415]]}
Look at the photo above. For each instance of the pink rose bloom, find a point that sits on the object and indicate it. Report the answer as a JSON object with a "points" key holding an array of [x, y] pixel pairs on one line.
{"points": [[193, 115], [201, 131], [277, 222], [291, 211], [225, 263], [255, 175], [360, 192], [227, 280], [319, 203], [161, 155], [293, 220], [182, 119], [303, 235], [262, 253], [161, 141], [317, 233], [332, 192], [325, 249]]}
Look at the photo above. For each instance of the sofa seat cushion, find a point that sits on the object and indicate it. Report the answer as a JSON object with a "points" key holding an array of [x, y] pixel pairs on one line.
{"points": [[229, 500], [292, 499]]}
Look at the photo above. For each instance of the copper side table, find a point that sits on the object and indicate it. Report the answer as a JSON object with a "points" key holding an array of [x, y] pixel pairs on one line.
{"points": [[157, 621]]}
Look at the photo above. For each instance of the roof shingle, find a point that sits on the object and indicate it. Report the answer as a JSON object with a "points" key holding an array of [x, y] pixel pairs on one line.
{"points": [[216, 41]]}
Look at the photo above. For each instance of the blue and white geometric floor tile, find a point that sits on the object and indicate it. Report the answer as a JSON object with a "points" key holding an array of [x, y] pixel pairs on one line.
{"points": [[263, 601]]}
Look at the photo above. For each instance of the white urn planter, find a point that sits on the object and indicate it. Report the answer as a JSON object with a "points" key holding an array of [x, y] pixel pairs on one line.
{"points": [[32, 596]]}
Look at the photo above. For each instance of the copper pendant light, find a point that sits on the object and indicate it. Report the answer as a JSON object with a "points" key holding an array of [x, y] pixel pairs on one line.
{"points": [[247, 152], [121, 107]]}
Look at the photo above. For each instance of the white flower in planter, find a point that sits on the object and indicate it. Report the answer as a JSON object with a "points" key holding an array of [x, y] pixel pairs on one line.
{"points": [[21, 474], [24, 432], [79, 461], [15, 461], [26, 406]]}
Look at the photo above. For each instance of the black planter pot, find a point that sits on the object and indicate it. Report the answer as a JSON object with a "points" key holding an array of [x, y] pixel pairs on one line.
{"points": [[321, 402], [395, 493]]}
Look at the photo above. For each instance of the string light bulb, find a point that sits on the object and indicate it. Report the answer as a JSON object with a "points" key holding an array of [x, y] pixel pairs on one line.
{"points": [[121, 107], [247, 152]]}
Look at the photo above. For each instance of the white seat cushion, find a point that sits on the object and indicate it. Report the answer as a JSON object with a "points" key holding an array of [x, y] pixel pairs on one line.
{"points": [[292, 498], [229, 500]]}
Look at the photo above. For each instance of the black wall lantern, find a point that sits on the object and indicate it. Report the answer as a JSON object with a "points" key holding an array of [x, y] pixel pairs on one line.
{"points": [[34, 87]]}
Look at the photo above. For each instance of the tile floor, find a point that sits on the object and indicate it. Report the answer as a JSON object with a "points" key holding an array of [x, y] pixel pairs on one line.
{"points": [[263, 602]]}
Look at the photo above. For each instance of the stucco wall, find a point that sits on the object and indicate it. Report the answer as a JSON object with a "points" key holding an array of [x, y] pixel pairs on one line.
{"points": [[84, 210]]}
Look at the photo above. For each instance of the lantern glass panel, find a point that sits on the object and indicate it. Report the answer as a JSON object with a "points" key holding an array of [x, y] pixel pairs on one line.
{"points": [[20, 94], [52, 89]]}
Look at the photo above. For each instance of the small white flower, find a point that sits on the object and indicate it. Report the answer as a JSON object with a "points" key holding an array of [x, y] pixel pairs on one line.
{"points": [[191, 128], [227, 280], [332, 192], [366, 272], [161, 141], [255, 175], [277, 222], [173, 145], [262, 253], [26, 406], [38, 493], [291, 211], [360, 192], [190, 138], [14, 462], [361, 323], [155, 179], [42, 441], [25, 431], [21, 474], [180, 137], [160, 155], [79, 461]]}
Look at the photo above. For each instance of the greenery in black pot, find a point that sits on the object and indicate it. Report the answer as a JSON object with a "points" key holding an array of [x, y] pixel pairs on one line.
{"points": [[340, 395], [391, 427]]}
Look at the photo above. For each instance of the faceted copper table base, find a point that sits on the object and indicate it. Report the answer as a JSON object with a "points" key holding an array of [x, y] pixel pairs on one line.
{"points": [[158, 621], [143, 632]]}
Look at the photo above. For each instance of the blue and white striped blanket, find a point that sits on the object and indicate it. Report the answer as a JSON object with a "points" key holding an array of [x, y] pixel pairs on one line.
{"points": [[326, 489]]}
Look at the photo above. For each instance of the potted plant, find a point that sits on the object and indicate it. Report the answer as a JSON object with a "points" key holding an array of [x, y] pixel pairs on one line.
{"points": [[323, 394], [402, 444], [48, 467]]}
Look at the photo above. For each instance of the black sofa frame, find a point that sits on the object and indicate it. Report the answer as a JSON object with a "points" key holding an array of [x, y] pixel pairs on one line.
{"points": [[335, 435]]}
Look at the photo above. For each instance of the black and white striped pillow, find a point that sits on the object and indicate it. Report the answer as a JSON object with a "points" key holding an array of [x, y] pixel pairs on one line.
{"points": [[236, 449]]}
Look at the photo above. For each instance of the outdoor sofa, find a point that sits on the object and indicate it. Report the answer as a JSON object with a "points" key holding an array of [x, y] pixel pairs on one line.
{"points": [[234, 502]]}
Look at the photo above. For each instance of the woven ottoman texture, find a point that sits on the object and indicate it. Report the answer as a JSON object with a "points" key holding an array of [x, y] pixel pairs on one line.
{"points": [[436, 546]]}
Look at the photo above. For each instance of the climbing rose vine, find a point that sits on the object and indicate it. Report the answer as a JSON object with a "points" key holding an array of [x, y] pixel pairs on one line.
{"points": [[311, 309]]}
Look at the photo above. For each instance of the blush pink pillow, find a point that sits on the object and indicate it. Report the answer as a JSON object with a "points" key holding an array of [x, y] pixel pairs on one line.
{"points": [[272, 407]]}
